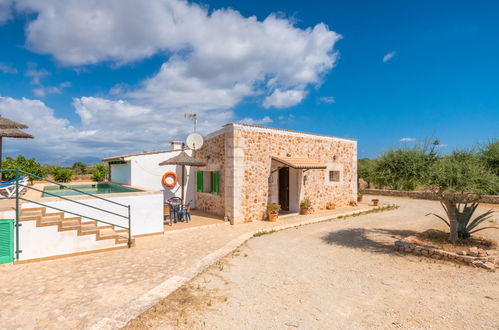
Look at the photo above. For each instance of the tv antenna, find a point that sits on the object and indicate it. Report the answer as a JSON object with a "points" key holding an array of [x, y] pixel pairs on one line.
{"points": [[192, 116]]}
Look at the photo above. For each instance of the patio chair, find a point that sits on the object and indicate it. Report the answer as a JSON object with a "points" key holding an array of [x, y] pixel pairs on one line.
{"points": [[9, 187], [184, 212], [173, 206]]}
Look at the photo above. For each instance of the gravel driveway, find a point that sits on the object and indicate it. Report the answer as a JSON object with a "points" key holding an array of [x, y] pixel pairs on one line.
{"points": [[341, 274]]}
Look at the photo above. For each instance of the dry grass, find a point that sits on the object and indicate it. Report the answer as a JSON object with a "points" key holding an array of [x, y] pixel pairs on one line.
{"points": [[440, 239]]}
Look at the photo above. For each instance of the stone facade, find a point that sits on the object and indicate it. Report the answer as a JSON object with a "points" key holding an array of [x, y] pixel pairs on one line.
{"points": [[213, 153], [243, 153]]}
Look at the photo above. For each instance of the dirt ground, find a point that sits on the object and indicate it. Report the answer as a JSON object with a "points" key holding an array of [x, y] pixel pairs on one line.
{"points": [[342, 274]]}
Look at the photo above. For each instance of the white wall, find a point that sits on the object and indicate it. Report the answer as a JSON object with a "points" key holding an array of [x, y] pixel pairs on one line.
{"points": [[145, 172], [39, 242], [121, 173]]}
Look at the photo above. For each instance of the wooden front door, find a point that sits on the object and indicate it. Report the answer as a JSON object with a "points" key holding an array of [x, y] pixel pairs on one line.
{"points": [[284, 188]]}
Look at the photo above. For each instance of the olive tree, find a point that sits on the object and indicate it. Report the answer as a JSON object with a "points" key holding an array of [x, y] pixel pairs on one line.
{"points": [[365, 170], [458, 180]]}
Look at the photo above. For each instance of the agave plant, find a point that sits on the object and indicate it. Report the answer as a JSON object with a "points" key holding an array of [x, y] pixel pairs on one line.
{"points": [[466, 226]]}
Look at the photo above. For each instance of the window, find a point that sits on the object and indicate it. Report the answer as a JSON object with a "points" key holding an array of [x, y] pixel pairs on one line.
{"points": [[208, 182], [334, 176]]}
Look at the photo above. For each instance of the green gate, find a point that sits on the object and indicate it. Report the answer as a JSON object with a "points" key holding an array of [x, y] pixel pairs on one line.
{"points": [[6, 241]]}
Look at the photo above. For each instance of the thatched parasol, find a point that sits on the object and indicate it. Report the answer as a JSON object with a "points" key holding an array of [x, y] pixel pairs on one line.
{"points": [[185, 160], [11, 129], [7, 123]]}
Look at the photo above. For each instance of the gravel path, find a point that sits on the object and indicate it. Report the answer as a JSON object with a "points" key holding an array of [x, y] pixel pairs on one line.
{"points": [[341, 274]]}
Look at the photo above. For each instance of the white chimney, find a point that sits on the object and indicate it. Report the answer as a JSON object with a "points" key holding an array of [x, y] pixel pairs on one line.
{"points": [[176, 145]]}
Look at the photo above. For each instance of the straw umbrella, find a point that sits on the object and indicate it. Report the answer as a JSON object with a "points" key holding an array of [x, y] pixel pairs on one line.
{"points": [[11, 129], [185, 160]]}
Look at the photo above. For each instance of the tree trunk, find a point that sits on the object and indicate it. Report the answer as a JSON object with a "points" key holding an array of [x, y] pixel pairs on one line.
{"points": [[451, 213]]}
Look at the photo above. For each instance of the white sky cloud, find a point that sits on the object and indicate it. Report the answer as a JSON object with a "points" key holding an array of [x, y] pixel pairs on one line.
{"points": [[407, 139], [252, 121], [327, 99], [388, 56], [7, 68], [6, 7], [216, 59], [284, 99]]}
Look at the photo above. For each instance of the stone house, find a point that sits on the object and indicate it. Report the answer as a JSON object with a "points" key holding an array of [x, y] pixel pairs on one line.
{"points": [[250, 166]]}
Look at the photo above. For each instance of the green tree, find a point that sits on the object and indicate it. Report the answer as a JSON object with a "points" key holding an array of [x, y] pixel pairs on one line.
{"points": [[403, 168], [79, 168], [100, 172], [366, 170], [490, 155], [24, 164], [62, 174], [457, 180]]}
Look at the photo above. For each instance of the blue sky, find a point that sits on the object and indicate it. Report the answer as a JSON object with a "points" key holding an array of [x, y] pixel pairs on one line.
{"points": [[91, 82]]}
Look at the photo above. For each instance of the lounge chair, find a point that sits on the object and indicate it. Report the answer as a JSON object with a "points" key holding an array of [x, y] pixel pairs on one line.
{"points": [[9, 187]]}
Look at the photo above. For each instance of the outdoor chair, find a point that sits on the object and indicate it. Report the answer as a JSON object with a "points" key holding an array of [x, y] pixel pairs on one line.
{"points": [[9, 187], [184, 212], [173, 206]]}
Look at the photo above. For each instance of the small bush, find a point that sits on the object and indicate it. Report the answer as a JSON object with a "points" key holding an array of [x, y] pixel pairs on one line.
{"points": [[306, 203], [62, 174], [273, 208], [100, 172], [79, 168], [27, 165]]}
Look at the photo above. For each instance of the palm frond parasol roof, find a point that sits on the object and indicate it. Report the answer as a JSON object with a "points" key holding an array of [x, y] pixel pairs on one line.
{"points": [[183, 159], [14, 133], [7, 123]]}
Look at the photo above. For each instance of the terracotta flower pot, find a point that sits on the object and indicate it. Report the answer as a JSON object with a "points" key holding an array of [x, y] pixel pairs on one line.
{"points": [[305, 211], [359, 199], [375, 202], [273, 216]]}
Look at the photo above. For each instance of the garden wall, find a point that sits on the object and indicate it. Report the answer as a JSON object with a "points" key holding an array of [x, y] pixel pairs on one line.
{"points": [[489, 199]]}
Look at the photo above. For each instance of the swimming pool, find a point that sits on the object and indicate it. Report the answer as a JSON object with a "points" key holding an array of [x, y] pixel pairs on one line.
{"points": [[91, 188]]}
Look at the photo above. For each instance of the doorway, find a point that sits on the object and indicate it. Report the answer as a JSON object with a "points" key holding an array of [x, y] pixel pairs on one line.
{"points": [[284, 188]]}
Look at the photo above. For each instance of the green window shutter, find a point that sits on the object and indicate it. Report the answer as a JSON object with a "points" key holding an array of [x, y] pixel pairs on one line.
{"points": [[6, 241], [200, 181], [215, 182]]}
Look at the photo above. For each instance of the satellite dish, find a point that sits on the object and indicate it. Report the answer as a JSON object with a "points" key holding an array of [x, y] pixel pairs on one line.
{"points": [[194, 141]]}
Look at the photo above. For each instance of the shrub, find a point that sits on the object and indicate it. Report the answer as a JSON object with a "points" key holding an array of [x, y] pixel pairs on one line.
{"points": [[62, 174], [306, 203], [100, 172], [460, 178], [79, 168], [273, 208], [27, 165], [490, 155]]}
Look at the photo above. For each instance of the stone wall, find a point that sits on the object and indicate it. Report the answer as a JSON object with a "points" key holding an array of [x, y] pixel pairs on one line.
{"points": [[259, 145], [213, 153], [490, 199]]}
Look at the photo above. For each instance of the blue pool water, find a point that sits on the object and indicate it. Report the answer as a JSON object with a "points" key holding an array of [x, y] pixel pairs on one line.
{"points": [[93, 188]]}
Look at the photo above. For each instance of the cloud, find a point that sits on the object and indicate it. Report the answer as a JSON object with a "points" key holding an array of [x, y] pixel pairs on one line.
{"points": [[35, 74], [388, 56], [327, 99], [284, 99], [214, 60], [220, 55], [44, 91], [251, 121], [407, 139], [7, 68], [6, 7]]}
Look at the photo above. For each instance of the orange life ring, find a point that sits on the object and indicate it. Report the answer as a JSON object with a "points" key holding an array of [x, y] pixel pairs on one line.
{"points": [[173, 175]]}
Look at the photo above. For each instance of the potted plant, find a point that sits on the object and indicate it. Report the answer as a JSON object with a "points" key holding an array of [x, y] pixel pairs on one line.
{"points": [[306, 206], [359, 197], [273, 211], [330, 206], [375, 202]]}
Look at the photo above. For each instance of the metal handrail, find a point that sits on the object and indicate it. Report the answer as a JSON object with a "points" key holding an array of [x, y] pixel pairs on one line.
{"points": [[65, 186], [72, 200], [17, 197]]}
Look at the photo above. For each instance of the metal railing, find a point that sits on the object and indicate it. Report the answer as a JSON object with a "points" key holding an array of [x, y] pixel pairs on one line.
{"points": [[18, 198]]}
